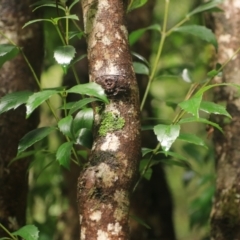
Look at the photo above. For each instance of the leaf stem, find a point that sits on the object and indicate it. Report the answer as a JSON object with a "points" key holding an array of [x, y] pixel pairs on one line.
{"points": [[12, 236]]}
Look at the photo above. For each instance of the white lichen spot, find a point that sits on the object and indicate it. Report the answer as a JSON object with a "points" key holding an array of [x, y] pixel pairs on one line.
{"points": [[229, 52], [104, 173], [80, 218], [225, 38], [111, 143], [112, 69], [83, 233], [104, 3], [96, 216], [236, 4], [101, 235], [114, 228], [117, 35], [106, 40], [100, 27], [98, 64], [124, 30]]}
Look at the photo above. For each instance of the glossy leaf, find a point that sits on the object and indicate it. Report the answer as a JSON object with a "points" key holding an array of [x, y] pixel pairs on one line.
{"points": [[38, 98], [205, 6], [34, 136], [192, 138], [80, 104], [166, 135], [135, 4], [214, 108], [186, 76], [201, 120], [192, 105], [64, 54], [65, 125], [90, 89], [145, 151], [85, 138], [28, 232], [140, 57], [199, 31], [7, 52], [77, 34], [140, 68], [13, 100], [64, 153], [84, 119]]}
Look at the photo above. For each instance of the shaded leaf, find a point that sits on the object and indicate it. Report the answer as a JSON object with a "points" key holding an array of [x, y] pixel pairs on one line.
{"points": [[140, 221], [192, 138], [80, 104], [85, 138], [64, 153], [28, 232], [140, 68], [90, 89], [84, 119], [135, 4], [33, 136], [36, 20], [140, 57], [13, 100], [49, 5], [73, 4], [166, 134], [77, 34], [199, 31], [7, 52], [65, 125], [192, 105], [78, 59], [180, 163], [214, 108], [72, 16], [145, 151], [146, 173]]}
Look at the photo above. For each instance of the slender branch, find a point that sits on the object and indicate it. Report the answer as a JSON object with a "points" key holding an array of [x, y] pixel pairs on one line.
{"points": [[12, 236]]}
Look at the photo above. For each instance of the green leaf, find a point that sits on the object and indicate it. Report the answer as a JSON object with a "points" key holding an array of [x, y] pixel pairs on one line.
{"points": [[192, 138], [38, 98], [78, 59], [145, 151], [192, 105], [36, 20], [180, 163], [85, 138], [7, 52], [77, 34], [80, 104], [64, 54], [214, 108], [90, 89], [201, 32], [140, 68], [140, 57], [135, 35], [73, 16], [201, 120], [28, 232], [65, 125], [135, 4], [140, 221], [142, 166], [166, 134], [206, 6], [13, 100], [84, 119], [33, 136], [73, 4], [41, 2], [64, 153], [174, 155], [49, 5]]}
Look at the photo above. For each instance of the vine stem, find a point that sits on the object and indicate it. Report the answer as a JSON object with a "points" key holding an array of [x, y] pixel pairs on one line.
{"points": [[12, 236]]}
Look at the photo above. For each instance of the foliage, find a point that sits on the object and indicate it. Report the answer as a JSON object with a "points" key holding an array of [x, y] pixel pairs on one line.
{"points": [[76, 124]]}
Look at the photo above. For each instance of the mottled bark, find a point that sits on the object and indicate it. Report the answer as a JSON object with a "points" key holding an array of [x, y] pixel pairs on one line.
{"points": [[105, 185], [225, 216], [16, 76]]}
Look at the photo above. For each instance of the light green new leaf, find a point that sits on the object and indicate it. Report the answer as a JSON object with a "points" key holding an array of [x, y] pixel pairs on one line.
{"points": [[201, 32], [36, 20], [65, 125], [166, 135], [73, 17], [214, 108], [201, 120], [192, 105], [38, 98], [140, 68], [135, 4], [28, 232], [41, 2], [64, 153], [80, 104], [64, 54], [7, 52], [205, 6], [192, 138], [84, 119], [90, 89], [34, 136], [13, 100]]}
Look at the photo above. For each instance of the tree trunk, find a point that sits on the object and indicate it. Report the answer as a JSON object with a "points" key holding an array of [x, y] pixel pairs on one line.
{"points": [[225, 216], [16, 76], [105, 185]]}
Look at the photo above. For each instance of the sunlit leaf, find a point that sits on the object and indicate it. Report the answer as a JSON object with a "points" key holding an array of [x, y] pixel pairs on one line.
{"points": [[72, 16], [90, 89], [65, 125], [13, 100], [214, 108], [140, 68], [186, 76], [192, 138], [38, 98], [166, 135], [201, 32], [84, 119], [28, 232], [34, 136], [135, 4], [7, 52], [64, 54], [192, 105], [64, 153], [85, 138]]}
